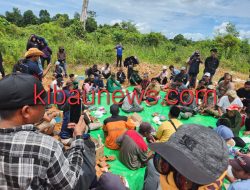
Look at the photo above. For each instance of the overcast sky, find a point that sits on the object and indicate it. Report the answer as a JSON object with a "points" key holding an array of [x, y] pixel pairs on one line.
{"points": [[196, 19]]}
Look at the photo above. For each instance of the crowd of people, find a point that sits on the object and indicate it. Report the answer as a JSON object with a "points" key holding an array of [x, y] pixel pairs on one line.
{"points": [[176, 155]]}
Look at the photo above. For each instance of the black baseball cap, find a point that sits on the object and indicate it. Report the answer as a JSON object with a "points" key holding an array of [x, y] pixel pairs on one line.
{"points": [[214, 50], [20, 89], [196, 152]]}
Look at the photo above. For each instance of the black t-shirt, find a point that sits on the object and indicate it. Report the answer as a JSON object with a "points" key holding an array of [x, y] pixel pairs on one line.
{"points": [[247, 124], [242, 93]]}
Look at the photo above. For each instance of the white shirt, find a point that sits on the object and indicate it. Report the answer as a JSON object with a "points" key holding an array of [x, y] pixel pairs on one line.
{"points": [[106, 71], [224, 103], [54, 82]]}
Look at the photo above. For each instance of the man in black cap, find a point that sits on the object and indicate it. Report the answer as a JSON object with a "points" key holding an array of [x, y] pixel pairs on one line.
{"points": [[31, 159], [194, 157], [241, 171], [211, 63]]}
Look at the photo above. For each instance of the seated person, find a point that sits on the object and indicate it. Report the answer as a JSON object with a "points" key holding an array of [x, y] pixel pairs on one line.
{"points": [[155, 88], [162, 76], [87, 86], [224, 76], [169, 127], [247, 121], [182, 76], [133, 150], [227, 100], [146, 130], [244, 94], [93, 71], [241, 171], [108, 181], [47, 124], [56, 84], [145, 81], [113, 84], [187, 160], [187, 106], [233, 115], [106, 71], [131, 104], [223, 130], [225, 86], [206, 78], [174, 72], [209, 105], [58, 70], [135, 78], [115, 126], [73, 79], [120, 75], [98, 83]]}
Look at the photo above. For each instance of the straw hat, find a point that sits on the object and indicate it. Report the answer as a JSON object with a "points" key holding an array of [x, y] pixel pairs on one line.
{"points": [[33, 52]]}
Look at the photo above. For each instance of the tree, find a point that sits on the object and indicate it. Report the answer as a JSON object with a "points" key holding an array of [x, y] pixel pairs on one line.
{"points": [[181, 40], [62, 19], [44, 16], [91, 24], [129, 26], [231, 29], [14, 17], [29, 18], [77, 16]]}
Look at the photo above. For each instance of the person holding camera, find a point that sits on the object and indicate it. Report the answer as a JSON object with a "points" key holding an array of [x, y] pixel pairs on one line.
{"points": [[194, 64]]}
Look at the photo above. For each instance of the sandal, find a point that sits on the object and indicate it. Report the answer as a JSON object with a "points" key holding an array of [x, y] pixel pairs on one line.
{"points": [[107, 158]]}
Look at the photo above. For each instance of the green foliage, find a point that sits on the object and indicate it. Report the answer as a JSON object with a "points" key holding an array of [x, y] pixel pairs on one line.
{"points": [[29, 18], [96, 45], [14, 17], [231, 29], [44, 16]]}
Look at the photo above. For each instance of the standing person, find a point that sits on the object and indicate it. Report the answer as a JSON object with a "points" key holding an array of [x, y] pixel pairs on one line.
{"points": [[194, 64], [106, 71], [115, 126], [61, 57], [1, 65], [32, 42], [211, 63], [47, 52], [30, 65], [133, 150], [31, 159], [195, 157], [119, 50]]}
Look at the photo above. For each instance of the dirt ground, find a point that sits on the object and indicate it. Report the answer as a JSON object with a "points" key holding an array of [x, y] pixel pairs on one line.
{"points": [[152, 70]]}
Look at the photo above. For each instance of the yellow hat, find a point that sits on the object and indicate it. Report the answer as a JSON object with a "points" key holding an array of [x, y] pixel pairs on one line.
{"points": [[33, 52]]}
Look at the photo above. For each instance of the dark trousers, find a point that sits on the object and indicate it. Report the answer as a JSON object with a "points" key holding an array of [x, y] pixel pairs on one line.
{"points": [[65, 132], [239, 142], [164, 81], [192, 79], [119, 60], [2, 70], [45, 59]]}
